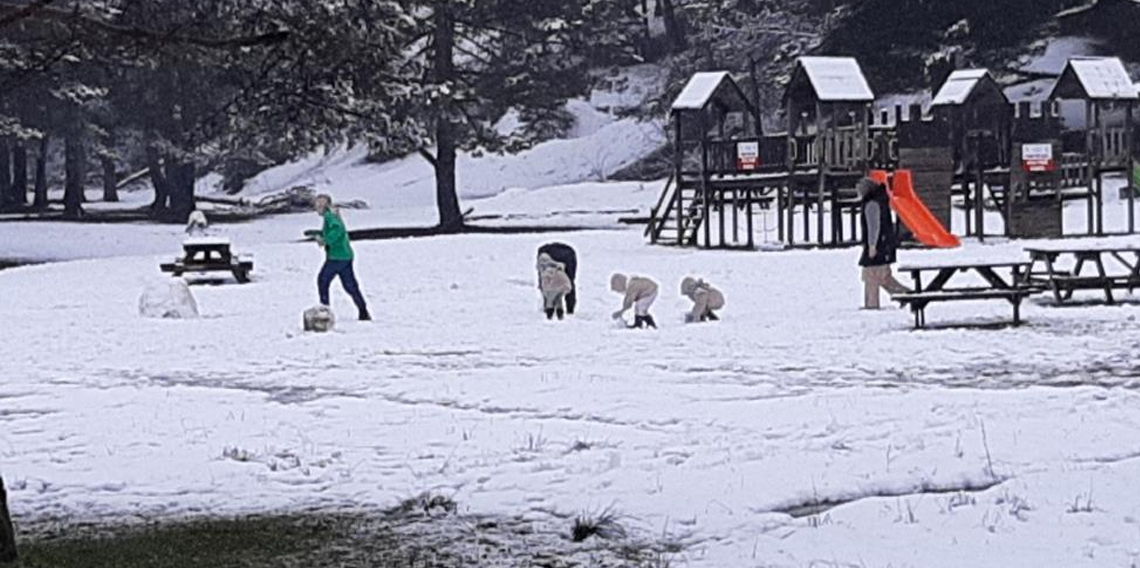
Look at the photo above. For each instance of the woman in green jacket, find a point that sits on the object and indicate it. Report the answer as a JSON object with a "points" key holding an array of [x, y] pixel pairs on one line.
{"points": [[338, 257]]}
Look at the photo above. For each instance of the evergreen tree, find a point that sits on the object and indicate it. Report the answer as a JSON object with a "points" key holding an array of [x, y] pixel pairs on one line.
{"points": [[475, 60]]}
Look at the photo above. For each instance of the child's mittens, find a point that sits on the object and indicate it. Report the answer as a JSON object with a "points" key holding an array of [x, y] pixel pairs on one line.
{"points": [[617, 315]]}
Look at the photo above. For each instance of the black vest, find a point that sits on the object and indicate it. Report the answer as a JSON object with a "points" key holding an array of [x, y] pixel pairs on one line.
{"points": [[888, 238]]}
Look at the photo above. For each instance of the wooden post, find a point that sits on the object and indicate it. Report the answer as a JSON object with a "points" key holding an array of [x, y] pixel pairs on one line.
{"points": [[706, 207], [679, 189], [720, 195], [735, 217], [1129, 186], [1090, 155], [748, 220], [824, 162], [1102, 127], [979, 190], [8, 551], [780, 213]]}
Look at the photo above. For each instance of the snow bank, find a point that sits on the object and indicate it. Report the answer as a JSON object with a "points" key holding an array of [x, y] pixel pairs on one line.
{"points": [[168, 299]]}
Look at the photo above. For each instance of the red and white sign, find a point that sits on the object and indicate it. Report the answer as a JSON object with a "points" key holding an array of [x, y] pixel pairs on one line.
{"points": [[1038, 157], [747, 156]]}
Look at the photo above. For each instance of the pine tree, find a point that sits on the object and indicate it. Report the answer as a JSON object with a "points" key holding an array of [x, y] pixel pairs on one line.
{"points": [[476, 60]]}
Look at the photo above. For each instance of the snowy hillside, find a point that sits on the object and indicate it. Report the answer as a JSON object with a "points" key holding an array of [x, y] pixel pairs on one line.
{"points": [[598, 144]]}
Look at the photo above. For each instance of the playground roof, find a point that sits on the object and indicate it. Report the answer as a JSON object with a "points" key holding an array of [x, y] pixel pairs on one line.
{"points": [[835, 79], [1095, 78], [958, 86], [699, 90]]}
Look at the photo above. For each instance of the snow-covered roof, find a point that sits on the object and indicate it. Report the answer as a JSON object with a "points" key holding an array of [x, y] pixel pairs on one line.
{"points": [[1100, 78], [699, 90], [958, 86], [837, 79]]}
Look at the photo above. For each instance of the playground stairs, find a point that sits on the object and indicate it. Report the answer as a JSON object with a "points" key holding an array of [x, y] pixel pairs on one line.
{"points": [[679, 213]]}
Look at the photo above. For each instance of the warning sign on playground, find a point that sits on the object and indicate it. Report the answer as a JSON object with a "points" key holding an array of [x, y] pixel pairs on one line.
{"points": [[747, 156], [1038, 157]]}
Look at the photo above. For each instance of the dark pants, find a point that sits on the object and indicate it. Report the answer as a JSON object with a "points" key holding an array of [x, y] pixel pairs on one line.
{"points": [[343, 269], [565, 254]]}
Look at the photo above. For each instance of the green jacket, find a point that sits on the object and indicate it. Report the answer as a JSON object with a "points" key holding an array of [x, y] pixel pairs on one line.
{"points": [[336, 238]]}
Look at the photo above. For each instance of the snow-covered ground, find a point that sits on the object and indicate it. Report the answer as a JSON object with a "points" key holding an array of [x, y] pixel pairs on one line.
{"points": [[699, 434], [944, 447]]}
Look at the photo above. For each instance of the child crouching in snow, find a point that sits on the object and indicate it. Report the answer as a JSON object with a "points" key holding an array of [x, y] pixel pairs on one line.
{"points": [[555, 285], [639, 294], [706, 300]]}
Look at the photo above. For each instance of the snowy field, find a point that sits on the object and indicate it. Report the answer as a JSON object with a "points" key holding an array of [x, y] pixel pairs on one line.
{"points": [[892, 447], [696, 434]]}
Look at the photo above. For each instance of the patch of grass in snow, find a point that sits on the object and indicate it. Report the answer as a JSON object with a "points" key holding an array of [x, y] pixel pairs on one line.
{"points": [[424, 531], [254, 541], [603, 525]]}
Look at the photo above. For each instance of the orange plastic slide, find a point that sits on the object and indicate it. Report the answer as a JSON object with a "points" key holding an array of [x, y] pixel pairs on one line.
{"points": [[913, 212]]}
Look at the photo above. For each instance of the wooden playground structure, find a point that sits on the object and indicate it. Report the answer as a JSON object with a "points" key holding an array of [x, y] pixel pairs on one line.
{"points": [[971, 148]]}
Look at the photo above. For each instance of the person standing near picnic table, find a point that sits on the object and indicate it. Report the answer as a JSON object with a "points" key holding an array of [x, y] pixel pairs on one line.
{"points": [[338, 257], [880, 242]]}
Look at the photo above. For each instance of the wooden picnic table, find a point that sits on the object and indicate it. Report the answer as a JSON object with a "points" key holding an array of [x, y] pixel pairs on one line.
{"points": [[209, 255], [997, 286], [1064, 282]]}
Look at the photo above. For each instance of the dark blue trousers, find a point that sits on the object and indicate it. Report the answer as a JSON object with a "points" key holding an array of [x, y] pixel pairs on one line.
{"points": [[343, 269]]}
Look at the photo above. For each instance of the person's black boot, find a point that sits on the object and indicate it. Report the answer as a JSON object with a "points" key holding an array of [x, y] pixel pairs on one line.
{"points": [[571, 300], [364, 315], [712, 317], [637, 323], [559, 313], [549, 313], [648, 319]]}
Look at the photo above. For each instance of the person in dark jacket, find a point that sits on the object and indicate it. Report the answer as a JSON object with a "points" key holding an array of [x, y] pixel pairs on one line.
{"points": [[880, 241], [333, 237], [564, 254]]}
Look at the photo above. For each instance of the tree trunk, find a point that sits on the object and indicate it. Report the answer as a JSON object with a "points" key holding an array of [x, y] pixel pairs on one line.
{"points": [[8, 551], [180, 182], [158, 180], [6, 197], [674, 33], [110, 179], [75, 167], [20, 174], [41, 197], [446, 196]]}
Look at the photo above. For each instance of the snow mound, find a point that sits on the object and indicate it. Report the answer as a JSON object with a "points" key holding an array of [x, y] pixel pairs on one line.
{"points": [[168, 299]]}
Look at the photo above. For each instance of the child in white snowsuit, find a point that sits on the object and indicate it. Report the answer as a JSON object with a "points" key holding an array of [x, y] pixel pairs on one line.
{"points": [[555, 285], [706, 299], [639, 294]]}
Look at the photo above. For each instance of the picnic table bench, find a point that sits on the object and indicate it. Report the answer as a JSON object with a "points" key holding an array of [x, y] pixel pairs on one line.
{"points": [[1013, 289], [209, 255], [1063, 283]]}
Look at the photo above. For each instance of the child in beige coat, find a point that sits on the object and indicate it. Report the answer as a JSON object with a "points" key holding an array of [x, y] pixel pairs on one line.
{"points": [[639, 294], [706, 300]]}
